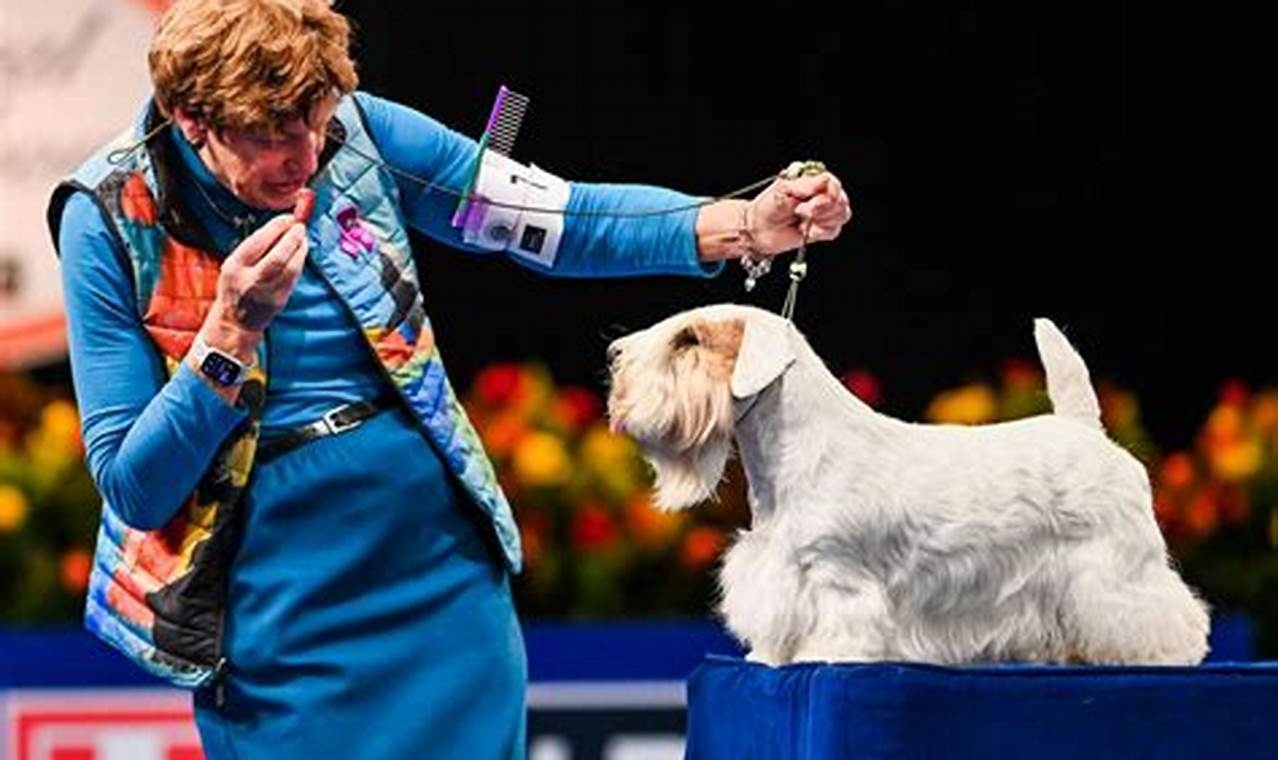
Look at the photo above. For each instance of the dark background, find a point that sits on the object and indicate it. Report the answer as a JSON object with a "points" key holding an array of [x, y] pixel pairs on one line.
{"points": [[986, 153]]}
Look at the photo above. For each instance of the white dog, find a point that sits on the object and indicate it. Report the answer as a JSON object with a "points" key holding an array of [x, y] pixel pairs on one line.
{"points": [[877, 539]]}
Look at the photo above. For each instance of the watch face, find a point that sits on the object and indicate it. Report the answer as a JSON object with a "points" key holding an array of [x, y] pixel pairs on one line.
{"points": [[222, 369]]}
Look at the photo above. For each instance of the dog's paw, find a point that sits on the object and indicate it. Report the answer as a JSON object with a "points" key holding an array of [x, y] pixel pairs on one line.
{"points": [[762, 657]]}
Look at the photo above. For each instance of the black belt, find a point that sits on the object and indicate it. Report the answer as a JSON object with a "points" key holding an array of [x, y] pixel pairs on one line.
{"points": [[339, 419]]}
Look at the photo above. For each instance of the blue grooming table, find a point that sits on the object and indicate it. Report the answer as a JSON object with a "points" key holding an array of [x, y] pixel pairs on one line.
{"points": [[886, 710]]}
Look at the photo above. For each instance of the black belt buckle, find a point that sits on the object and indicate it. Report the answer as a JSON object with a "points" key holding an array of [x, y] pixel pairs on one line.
{"points": [[334, 424], [339, 419]]}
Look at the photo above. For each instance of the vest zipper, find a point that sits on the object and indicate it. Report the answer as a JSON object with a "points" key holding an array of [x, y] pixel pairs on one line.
{"points": [[219, 682]]}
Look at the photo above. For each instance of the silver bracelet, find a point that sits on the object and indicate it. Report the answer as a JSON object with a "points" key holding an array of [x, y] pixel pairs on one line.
{"points": [[753, 261]]}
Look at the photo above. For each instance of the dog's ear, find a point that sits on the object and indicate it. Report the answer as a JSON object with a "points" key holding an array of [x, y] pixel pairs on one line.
{"points": [[765, 353]]}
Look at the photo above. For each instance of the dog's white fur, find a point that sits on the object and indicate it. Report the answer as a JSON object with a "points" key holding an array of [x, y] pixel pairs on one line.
{"points": [[877, 539]]}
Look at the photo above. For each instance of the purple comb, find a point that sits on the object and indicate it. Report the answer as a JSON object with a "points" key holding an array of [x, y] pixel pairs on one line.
{"points": [[499, 134]]}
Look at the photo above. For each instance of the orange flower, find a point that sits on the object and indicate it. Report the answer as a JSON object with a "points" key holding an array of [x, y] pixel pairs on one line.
{"points": [[75, 567], [1203, 513], [1224, 426], [503, 434], [1264, 412], [700, 547], [1178, 470], [651, 527]]}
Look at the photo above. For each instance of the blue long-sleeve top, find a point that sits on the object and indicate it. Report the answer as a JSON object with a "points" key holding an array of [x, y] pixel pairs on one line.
{"points": [[149, 438]]}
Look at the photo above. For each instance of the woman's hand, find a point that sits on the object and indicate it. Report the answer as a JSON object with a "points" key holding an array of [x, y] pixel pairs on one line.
{"points": [[253, 285], [259, 275], [778, 217], [257, 279], [255, 282]]}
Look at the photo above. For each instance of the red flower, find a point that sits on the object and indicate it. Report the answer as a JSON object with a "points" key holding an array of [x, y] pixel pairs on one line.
{"points": [[1234, 504], [1166, 511], [593, 529], [497, 384], [1021, 374], [700, 547], [534, 529], [1203, 513], [75, 566], [577, 407], [1234, 392], [864, 386]]}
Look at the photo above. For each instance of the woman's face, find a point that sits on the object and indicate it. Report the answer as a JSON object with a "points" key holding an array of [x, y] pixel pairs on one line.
{"points": [[266, 168]]}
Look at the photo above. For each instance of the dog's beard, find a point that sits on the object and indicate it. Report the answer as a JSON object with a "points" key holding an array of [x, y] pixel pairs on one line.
{"points": [[684, 427], [685, 479]]}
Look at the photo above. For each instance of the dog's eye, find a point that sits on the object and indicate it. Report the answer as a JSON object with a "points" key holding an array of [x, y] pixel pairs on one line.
{"points": [[684, 338]]}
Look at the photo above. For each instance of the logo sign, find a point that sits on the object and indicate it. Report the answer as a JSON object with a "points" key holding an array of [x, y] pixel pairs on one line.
{"points": [[612, 720], [117, 724]]}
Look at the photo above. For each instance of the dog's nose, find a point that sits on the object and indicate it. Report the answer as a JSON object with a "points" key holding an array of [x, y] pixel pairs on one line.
{"points": [[614, 349]]}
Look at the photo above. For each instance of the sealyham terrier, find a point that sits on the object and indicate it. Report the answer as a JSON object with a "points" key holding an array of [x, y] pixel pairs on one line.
{"points": [[877, 539]]}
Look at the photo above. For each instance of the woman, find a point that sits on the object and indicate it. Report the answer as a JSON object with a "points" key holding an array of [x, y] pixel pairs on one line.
{"points": [[298, 520]]}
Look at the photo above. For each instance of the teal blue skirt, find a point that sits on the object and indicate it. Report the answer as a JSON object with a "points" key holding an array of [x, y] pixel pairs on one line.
{"points": [[370, 613]]}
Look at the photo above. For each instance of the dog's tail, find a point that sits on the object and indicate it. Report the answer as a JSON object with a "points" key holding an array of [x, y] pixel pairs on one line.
{"points": [[1068, 384]]}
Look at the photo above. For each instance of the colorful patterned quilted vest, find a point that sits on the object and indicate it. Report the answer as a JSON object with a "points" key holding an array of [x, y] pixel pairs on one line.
{"points": [[159, 596]]}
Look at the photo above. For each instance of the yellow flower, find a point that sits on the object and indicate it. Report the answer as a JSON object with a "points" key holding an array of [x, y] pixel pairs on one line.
{"points": [[60, 428], [1236, 460], [542, 461], [613, 462], [61, 418], [13, 509], [1119, 409], [604, 450], [969, 405]]}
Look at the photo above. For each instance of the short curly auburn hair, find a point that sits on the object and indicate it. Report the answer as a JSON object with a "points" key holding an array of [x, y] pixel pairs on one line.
{"points": [[252, 64]]}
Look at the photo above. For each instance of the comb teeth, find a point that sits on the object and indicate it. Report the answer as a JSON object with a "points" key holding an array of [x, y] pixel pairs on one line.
{"points": [[503, 123]]}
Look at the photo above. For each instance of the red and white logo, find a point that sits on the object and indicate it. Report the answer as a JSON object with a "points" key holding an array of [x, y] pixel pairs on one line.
{"points": [[120, 724]]}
